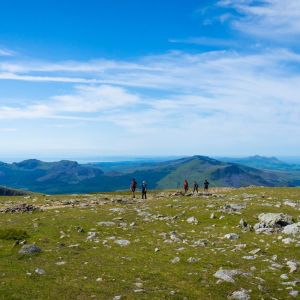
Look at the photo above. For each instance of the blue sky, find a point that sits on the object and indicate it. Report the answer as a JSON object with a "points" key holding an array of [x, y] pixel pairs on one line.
{"points": [[123, 77]]}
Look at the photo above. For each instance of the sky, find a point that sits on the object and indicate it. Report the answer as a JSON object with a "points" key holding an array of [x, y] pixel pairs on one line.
{"points": [[149, 78]]}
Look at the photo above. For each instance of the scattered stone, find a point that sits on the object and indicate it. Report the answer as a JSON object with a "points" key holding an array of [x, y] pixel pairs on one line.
{"points": [[242, 294], [227, 275], [249, 257], [175, 260], [156, 249], [255, 251], [212, 216], [292, 229], [269, 222], [290, 203], [108, 223], [60, 263], [20, 208], [192, 220], [30, 249], [284, 276], [122, 243], [231, 236], [91, 235], [292, 265], [192, 260], [40, 271], [288, 241], [294, 293]]}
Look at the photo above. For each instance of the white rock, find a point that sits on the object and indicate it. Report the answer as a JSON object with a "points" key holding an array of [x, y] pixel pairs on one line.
{"points": [[292, 229], [284, 276], [231, 236], [122, 243], [91, 236], [273, 219], [175, 260], [249, 257], [255, 251], [192, 260], [288, 241], [292, 265], [40, 271], [118, 297], [192, 220], [294, 293], [240, 295], [227, 275], [106, 223]]}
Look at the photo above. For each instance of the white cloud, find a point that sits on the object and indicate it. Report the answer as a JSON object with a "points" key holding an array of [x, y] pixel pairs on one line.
{"points": [[232, 97], [267, 18], [6, 52]]}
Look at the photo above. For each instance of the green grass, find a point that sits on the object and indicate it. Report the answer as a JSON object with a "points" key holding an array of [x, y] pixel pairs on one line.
{"points": [[55, 231]]}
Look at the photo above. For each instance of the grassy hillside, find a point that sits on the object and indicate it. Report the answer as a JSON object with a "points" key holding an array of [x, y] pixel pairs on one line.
{"points": [[156, 263]]}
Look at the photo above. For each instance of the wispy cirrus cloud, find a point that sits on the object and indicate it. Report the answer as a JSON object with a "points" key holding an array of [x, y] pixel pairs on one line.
{"points": [[6, 52], [266, 18]]}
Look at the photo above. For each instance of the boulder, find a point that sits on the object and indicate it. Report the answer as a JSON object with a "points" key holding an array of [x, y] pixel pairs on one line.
{"points": [[30, 249], [240, 295], [227, 275], [292, 229]]}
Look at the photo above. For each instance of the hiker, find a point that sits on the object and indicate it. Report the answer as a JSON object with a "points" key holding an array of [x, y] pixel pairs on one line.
{"points": [[133, 187], [206, 184], [144, 190], [196, 186], [185, 186]]}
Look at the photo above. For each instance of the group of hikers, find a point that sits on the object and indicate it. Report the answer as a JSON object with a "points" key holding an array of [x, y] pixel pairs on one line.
{"points": [[196, 186], [133, 187]]}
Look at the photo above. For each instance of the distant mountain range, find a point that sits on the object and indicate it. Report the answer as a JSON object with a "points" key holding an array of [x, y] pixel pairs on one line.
{"points": [[70, 177], [261, 162]]}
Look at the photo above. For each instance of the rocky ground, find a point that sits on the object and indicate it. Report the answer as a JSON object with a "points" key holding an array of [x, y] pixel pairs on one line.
{"points": [[229, 244]]}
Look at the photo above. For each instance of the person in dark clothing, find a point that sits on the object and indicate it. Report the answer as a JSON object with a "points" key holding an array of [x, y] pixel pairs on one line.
{"points": [[133, 187], [185, 186], [196, 186], [144, 190], [206, 184]]}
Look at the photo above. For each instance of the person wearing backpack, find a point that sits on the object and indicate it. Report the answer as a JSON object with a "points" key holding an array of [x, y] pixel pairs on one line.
{"points": [[144, 189], [206, 184], [196, 186], [185, 186], [133, 186]]}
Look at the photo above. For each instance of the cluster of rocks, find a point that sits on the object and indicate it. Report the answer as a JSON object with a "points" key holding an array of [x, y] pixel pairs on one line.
{"points": [[20, 208], [275, 222]]}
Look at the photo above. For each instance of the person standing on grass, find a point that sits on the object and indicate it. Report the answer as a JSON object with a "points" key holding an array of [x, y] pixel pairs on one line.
{"points": [[196, 186], [185, 186], [133, 187], [144, 189], [206, 184]]}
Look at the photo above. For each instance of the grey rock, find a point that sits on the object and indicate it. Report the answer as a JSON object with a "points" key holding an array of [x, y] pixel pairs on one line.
{"points": [[175, 260], [30, 249], [292, 229], [227, 275], [275, 219], [292, 265], [231, 236], [106, 223], [192, 220], [122, 243], [240, 295], [294, 293], [40, 271]]}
